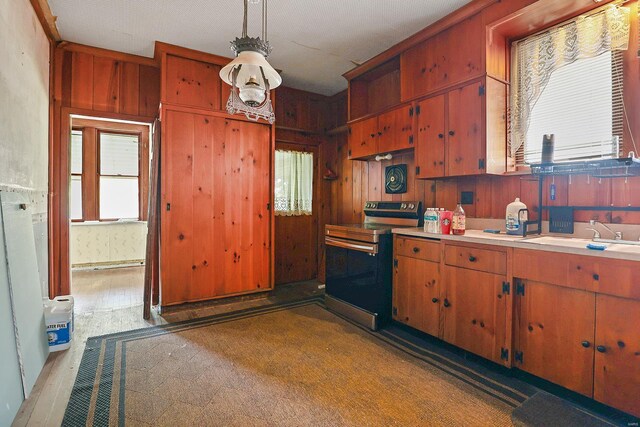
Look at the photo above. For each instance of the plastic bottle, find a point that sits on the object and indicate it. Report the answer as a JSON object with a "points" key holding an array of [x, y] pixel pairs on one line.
{"points": [[515, 216], [430, 220], [459, 220]]}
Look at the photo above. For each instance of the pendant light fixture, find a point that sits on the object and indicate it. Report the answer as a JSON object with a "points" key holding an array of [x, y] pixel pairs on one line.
{"points": [[250, 75]]}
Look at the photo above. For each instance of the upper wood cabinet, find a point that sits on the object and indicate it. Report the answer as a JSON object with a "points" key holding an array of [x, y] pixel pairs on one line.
{"points": [[390, 131], [430, 137], [363, 138], [193, 83], [298, 110], [450, 57], [375, 91], [458, 134]]}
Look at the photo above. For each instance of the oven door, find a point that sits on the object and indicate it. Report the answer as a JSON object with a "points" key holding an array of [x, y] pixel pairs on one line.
{"points": [[356, 273]]}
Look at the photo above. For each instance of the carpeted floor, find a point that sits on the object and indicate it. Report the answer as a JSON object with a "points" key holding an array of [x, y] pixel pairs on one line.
{"points": [[296, 364]]}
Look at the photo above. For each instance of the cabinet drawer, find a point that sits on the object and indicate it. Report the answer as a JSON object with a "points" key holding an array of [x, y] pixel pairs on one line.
{"points": [[589, 273], [476, 259], [427, 250]]}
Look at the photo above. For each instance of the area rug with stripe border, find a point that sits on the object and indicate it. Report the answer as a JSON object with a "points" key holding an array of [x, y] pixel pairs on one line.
{"points": [[283, 364]]}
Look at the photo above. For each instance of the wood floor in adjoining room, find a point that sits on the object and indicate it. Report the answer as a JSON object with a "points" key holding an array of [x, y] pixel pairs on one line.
{"points": [[107, 289], [48, 400]]}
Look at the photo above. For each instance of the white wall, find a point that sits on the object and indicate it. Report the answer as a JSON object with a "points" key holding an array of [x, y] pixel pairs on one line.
{"points": [[107, 243], [24, 106]]}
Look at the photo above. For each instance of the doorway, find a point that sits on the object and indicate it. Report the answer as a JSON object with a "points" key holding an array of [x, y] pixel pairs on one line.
{"points": [[108, 196]]}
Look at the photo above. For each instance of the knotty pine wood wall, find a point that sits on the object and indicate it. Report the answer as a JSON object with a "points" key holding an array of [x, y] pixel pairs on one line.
{"points": [[360, 181], [93, 82]]}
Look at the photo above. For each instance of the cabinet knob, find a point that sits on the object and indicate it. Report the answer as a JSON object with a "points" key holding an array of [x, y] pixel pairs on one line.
{"points": [[451, 133], [446, 303], [416, 250], [601, 349], [434, 300], [586, 344], [596, 277], [440, 136], [472, 258]]}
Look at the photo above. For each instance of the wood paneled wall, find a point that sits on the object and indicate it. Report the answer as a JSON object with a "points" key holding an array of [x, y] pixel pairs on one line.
{"points": [[301, 122], [360, 181], [92, 82]]}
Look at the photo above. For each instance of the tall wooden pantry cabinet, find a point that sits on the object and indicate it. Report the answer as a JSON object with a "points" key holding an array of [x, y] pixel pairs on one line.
{"points": [[216, 186]]}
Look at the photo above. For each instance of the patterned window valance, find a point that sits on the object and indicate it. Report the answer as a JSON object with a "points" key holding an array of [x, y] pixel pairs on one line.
{"points": [[535, 58], [293, 183]]}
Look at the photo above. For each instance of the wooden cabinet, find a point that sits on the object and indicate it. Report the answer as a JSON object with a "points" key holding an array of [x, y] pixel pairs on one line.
{"points": [[395, 129], [363, 138], [216, 226], [580, 329], [617, 344], [459, 135], [388, 132], [430, 137], [416, 292], [554, 335], [475, 311], [451, 56], [465, 142], [193, 83]]}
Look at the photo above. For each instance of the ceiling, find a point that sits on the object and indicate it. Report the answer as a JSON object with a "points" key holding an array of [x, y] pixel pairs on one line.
{"points": [[314, 42]]}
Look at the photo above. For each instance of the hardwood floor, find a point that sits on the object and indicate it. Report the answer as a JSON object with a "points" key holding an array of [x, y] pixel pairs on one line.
{"points": [[48, 400], [106, 290]]}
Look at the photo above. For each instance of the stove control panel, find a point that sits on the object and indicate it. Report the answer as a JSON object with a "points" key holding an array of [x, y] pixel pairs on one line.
{"points": [[408, 209]]}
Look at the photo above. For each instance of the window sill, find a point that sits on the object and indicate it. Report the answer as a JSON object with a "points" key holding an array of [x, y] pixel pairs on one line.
{"points": [[106, 223]]}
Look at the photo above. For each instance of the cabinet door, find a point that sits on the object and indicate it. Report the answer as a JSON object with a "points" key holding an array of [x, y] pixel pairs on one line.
{"points": [[395, 129], [475, 311], [214, 242], [465, 141], [430, 138], [415, 294], [193, 83], [363, 138], [617, 361], [554, 332]]}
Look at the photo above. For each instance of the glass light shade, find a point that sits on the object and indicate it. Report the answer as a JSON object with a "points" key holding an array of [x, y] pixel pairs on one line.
{"points": [[251, 63], [252, 93]]}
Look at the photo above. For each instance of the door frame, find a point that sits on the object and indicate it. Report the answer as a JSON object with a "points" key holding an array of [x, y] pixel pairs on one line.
{"points": [[58, 201]]}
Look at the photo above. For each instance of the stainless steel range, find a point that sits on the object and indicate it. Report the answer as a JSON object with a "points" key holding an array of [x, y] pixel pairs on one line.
{"points": [[359, 261]]}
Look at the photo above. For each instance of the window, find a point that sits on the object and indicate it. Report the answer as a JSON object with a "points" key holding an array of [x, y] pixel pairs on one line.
{"points": [[76, 175], [293, 183], [119, 176], [109, 170], [567, 81]]}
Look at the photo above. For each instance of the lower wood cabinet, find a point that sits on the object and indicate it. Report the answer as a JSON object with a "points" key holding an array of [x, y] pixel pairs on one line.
{"points": [[416, 293], [475, 315], [571, 319], [617, 355], [554, 334]]}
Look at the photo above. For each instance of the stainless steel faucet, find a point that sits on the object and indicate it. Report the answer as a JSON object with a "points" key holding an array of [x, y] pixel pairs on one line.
{"points": [[596, 233]]}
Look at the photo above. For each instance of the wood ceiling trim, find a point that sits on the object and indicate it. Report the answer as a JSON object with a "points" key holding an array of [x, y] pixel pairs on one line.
{"points": [[47, 20], [97, 51], [450, 20]]}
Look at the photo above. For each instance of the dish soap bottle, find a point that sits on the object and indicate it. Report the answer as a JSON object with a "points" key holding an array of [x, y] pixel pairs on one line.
{"points": [[516, 215], [458, 222]]}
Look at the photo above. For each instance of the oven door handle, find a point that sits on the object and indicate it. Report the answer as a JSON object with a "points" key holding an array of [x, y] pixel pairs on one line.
{"points": [[360, 247]]}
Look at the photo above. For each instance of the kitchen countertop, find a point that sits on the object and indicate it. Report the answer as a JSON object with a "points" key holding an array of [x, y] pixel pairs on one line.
{"points": [[550, 243]]}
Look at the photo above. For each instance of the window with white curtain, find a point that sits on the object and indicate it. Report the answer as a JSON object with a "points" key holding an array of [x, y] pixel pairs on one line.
{"points": [[567, 81], [293, 193]]}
